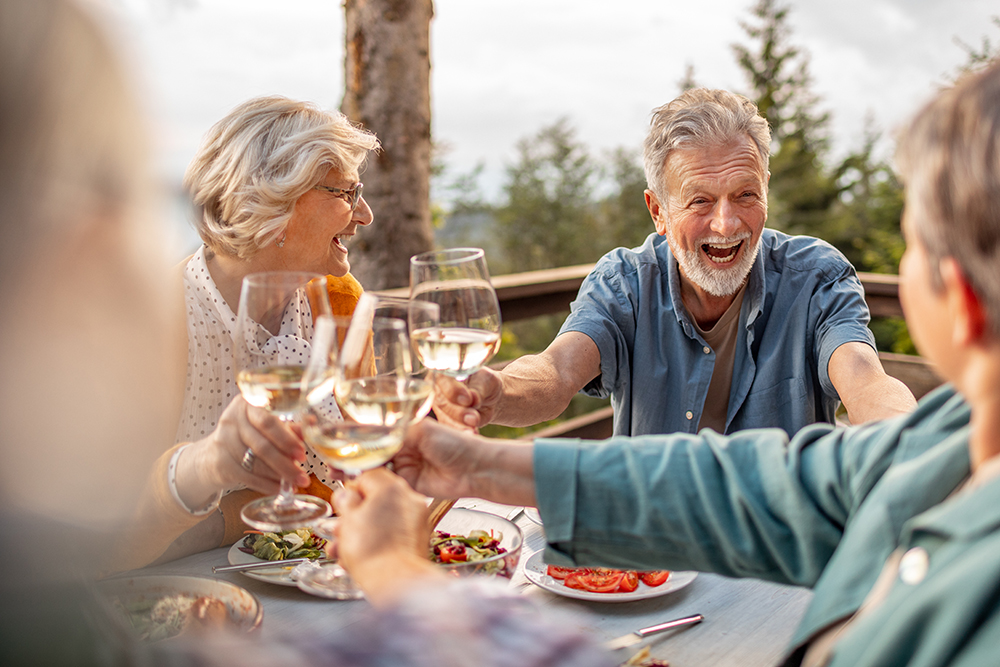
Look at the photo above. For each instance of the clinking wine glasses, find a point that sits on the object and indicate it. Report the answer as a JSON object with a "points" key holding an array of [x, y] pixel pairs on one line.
{"points": [[360, 394], [464, 334], [271, 347]]}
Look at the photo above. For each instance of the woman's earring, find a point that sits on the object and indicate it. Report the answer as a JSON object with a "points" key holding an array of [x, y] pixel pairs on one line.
{"points": [[281, 242]]}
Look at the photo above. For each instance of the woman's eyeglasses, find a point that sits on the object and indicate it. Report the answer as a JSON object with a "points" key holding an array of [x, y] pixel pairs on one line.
{"points": [[351, 195]]}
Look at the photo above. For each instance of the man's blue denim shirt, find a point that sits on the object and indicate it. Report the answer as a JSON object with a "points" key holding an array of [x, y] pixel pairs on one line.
{"points": [[803, 301]]}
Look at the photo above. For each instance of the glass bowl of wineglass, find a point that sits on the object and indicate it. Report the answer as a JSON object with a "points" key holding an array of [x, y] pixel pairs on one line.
{"points": [[271, 346], [463, 334]]}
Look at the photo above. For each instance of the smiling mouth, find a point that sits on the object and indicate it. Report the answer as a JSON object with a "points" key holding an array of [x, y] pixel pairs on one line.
{"points": [[339, 241], [722, 253]]}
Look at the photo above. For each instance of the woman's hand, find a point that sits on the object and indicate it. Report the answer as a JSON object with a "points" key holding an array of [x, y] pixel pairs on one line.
{"points": [[383, 535], [215, 463], [443, 462], [467, 405], [439, 461]]}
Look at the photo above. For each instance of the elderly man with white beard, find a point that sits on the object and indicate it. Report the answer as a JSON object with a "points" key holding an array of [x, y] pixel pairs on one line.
{"points": [[714, 322]]}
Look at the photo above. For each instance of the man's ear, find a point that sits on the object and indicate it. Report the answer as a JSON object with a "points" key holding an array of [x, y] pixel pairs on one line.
{"points": [[964, 305], [657, 212]]}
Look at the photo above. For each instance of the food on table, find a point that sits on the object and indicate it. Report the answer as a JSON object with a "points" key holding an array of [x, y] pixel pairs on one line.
{"points": [[478, 545], [159, 618], [606, 580], [644, 659], [301, 543]]}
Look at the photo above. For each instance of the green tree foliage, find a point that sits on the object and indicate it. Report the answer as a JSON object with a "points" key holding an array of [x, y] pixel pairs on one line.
{"points": [[800, 191], [978, 58], [547, 218], [863, 222], [623, 218]]}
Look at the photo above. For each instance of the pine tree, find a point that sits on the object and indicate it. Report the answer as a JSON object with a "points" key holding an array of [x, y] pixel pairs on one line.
{"points": [[778, 73], [548, 218]]}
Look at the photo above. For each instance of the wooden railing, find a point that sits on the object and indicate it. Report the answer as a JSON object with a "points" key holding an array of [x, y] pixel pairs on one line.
{"points": [[533, 293]]}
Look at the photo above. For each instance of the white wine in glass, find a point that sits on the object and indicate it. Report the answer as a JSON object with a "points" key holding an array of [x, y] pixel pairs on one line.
{"points": [[464, 334], [274, 388], [271, 347]]}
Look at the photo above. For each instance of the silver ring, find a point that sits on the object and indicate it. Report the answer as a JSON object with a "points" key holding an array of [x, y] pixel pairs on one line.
{"points": [[247, 461]]}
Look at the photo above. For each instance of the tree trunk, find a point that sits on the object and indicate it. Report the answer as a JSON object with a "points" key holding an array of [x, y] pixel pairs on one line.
{"points": [[387, 89]]}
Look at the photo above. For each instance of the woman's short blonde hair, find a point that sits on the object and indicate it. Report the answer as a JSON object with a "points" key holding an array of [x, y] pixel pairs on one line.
{"points": [[257, 161], [949, 157]]}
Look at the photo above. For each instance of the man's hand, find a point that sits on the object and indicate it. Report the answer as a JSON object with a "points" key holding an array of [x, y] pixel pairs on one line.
{"points": [[468, 405], [528, 391]]}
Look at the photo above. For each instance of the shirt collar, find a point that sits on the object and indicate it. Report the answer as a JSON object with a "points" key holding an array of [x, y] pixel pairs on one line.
{"points": [[209, 295]]}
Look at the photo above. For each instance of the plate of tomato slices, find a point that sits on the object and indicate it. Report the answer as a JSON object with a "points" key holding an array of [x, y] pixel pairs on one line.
{"points": [[603, 584]]}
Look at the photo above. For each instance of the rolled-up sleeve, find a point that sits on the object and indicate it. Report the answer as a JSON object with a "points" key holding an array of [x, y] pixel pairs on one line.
{"points": [[753, 504], [842, 317]]}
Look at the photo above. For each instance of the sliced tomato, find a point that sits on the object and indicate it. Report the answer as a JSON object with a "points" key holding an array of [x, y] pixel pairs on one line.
{"points": [[654, 577], [595, 581], [557, 572], [453, 553], [629, 582]]}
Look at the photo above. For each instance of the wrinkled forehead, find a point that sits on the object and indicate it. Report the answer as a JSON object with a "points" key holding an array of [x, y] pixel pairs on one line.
{"points": [[733, 160]]}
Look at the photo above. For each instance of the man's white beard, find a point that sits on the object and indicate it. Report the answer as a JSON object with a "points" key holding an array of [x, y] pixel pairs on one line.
{"points": [[718, 282]]}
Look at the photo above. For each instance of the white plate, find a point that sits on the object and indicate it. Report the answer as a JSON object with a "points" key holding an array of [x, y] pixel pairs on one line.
{"points": [[535, 567], [277, 575]]}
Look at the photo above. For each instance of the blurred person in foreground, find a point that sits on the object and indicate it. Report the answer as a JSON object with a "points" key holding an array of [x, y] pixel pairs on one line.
{"points": [[91, 357], [276, 184], [714, 322], [895, 526], [88, 350]]}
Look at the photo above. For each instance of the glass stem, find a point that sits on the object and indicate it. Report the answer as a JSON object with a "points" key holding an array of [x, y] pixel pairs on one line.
{"points": [[286, 495]]}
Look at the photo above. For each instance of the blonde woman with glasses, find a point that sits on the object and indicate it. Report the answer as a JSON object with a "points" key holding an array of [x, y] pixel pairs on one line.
{"points": [[276, 184]]}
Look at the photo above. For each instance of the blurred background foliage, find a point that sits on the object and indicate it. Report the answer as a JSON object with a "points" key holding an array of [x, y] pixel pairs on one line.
{"points": [[561, 205]]}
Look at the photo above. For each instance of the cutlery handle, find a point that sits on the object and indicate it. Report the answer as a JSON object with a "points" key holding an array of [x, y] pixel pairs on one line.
{"points": [[257, 566], [653, 629]]}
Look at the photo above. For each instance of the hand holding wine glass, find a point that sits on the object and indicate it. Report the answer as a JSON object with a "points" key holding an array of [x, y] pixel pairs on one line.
{"points": [[465, 334], [270, 351]]}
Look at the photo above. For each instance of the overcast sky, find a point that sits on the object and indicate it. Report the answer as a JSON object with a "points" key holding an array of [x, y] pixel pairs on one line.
{"points": [[502, 69]]}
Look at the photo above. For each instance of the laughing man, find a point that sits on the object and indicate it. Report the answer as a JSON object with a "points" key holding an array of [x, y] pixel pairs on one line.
{"points": [[714, 322]]}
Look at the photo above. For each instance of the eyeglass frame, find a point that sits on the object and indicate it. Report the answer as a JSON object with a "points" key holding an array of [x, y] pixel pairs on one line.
{"points": [[353, 194]]}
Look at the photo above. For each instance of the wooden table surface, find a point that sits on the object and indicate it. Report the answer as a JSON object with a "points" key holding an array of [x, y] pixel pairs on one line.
{"points": [[748, 623]]}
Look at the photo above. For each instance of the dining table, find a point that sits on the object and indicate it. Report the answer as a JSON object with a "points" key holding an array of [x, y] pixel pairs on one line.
{"points": [[747, 622]]}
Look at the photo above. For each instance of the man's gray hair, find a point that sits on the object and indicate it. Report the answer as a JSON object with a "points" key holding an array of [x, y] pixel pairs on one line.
{"points": [[949, 157], [698, 118], [257, 161]]}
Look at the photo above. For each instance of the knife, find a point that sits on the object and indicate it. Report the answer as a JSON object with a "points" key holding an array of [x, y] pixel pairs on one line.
{"points": [[637, 636], [266, 564]]}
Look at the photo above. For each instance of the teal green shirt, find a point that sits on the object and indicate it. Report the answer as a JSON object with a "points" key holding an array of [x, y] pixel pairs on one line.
{"points": [[824, 509]]}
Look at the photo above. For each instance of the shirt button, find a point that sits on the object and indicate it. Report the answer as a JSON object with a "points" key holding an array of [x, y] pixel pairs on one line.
{"points": [[707, 349], [913, 566], [689, 415]]}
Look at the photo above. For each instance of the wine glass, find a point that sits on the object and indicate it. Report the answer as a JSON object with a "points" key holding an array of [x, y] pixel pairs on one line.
{"points": [[359, 397], [270, 351], [465, 334], [408, 311]]}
